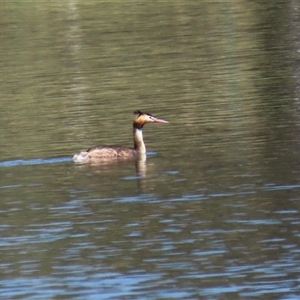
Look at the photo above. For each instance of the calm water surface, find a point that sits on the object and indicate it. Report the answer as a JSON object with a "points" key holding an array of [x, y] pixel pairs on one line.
{"points": [[214, 211]]}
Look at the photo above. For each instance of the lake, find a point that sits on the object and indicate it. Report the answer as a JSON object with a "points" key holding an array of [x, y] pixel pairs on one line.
{"points": [[213, 212]]}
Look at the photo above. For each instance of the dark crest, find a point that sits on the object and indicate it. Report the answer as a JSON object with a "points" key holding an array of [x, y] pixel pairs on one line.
{"points": [[138, 112]]}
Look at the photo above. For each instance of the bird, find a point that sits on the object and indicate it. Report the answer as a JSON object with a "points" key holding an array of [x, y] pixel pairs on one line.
{"points": [[102, 154]]}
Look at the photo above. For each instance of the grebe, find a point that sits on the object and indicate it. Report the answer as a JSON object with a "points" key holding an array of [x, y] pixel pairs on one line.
{"points": [[100, 154]]}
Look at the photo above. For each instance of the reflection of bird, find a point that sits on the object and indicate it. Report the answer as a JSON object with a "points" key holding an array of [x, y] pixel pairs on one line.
{"points": [[101, 154]]}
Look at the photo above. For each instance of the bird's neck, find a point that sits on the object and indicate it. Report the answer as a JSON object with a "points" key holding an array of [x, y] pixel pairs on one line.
{"points": [[139, 145]]}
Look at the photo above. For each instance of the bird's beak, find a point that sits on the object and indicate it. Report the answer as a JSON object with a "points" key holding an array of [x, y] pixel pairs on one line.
{"points": [[157, 120]]}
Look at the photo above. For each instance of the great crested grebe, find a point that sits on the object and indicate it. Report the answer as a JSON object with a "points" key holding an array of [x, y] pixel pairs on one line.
{"points": [[100, 154]]}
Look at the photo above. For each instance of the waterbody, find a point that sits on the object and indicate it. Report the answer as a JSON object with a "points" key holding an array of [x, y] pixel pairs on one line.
{"points": [[213, 212]]}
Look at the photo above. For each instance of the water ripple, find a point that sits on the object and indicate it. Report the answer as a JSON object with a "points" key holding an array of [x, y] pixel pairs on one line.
{"points": [[35, 161]]}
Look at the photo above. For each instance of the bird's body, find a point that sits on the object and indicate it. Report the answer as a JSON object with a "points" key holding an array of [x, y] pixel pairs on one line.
{"points": [[101, 154]]}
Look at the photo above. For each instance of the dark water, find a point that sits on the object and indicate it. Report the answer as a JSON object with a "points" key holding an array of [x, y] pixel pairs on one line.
{"points": [[213, 213]]}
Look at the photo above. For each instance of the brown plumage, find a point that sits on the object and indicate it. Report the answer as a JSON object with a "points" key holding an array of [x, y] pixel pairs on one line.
{"points": [[101, 154]]}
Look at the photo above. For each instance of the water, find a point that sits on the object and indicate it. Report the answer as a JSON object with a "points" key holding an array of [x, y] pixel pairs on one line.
{"points": [[213, 213]]}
